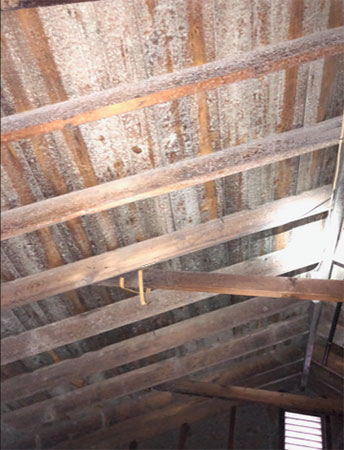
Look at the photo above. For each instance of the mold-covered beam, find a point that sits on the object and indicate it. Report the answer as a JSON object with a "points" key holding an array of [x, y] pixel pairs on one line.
{"points": [[160, 89], [160, 181], [126, 259]]}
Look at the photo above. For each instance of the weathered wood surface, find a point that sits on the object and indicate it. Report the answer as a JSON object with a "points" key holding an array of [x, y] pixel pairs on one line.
{"points": [[159, 181], [126, 259], [163, 88], [263, 367], [153, 375], [169, 417], [141, 346], [122, 313], [288, 401], [250, 285], [12, 5]]}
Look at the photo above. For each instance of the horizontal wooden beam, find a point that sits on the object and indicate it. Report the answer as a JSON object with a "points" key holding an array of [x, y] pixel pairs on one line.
{"points": [[141, 346], [265, 368], [12, 5], [126, 259], [293, 402], [186, 173], [163, 88], [261, 286], [153, 374], [122, 313]]}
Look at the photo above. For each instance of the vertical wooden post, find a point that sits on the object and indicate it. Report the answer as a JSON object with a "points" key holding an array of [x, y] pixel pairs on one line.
{"points": [[281, 430], [232, 415], [183, 434]]}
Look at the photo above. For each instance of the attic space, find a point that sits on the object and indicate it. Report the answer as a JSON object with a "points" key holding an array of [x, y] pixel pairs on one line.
{"points": [[172, 246]]}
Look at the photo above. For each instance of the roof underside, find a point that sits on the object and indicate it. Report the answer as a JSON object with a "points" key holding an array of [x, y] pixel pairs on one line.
{"points": [[61, 52]]}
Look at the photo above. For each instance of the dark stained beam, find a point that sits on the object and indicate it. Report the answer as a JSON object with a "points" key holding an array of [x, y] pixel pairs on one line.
{"points": [[12, 5], [122, 313], [142, 346], [261, 286], [153, 375], [126, 259], [163, 88], [288, 401], [159, 181]]}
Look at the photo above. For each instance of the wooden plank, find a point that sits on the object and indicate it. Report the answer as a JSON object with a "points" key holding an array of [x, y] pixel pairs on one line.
{"points": [[133, 406], [141, 346], [153, 375], [186, 173], [12, 5], [132, 96], [122, 313], [292, 402], [261, 286], [126, 259]]}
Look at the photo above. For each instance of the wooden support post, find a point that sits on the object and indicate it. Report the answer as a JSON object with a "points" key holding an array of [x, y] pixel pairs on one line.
{"points": [[183, 434], [231, 428]]}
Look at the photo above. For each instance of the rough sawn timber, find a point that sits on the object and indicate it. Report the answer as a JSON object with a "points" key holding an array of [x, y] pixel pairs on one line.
{"points": [[126, 259], [115, 315], [181, 175], [163, 88]]}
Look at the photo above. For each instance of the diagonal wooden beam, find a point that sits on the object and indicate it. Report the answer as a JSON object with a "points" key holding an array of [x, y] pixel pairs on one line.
{"points": [[12, 5], [122, 313], [153, 374], [163, 88], [261, 286], [97, 268], [142, 346], [159, 181], [279, 399]]}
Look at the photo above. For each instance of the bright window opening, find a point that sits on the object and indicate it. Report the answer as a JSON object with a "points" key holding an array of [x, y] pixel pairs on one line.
{"points": [[302, 432]]}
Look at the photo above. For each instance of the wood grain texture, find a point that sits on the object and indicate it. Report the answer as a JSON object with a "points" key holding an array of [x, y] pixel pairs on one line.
{"points": [[275, 287], [12, 5], [186, 173], [288, 401], [142, 346], [163, 88], [122, 313], [126, 259], [153, 374]]}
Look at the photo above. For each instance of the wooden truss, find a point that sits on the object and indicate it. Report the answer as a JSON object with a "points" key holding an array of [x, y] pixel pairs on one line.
{"points": [[257, 277]]}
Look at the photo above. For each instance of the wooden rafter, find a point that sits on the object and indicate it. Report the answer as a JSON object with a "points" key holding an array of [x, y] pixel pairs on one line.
{"points": [[159, 181], [275, 287], [126, 259], [279, 399], [154, 374], [122, 313], [12, 5], [163, 88], [141, 346]]}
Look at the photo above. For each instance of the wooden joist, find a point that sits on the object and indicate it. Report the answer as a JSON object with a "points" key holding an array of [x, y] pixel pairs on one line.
{"points": [[141, 346], [275, 287], [159, 181], [265, 368], [163, 88], [122, 313], [154, 374], [126, 259], [12, 5], [279, 399]]}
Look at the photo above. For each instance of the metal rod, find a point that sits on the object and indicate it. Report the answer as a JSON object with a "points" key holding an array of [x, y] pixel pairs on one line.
{"points": [[332, 332]]}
